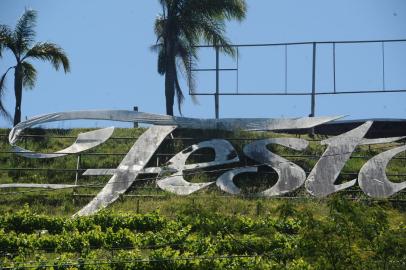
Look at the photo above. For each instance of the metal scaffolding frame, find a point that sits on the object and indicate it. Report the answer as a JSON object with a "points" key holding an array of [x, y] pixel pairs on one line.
{"points": [[313, 93]]}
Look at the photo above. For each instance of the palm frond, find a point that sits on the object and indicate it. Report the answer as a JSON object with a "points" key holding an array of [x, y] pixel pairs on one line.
{"points": [[207, 19], [6, 39], [179, 95], [231, 9], [219, 9], [3, 111], [2, 41], [159, 27], [156, 48], [24, 31], [159, 48], [213, 31], [188, 55], [49, 52], [29, 75]]}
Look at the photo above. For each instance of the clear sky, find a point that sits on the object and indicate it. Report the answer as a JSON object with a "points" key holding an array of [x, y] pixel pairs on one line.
{"points": [[112, 66]]}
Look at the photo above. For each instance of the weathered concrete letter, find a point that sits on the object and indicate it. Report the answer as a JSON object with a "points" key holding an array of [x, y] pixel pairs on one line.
{"points": [[372, 177], [224, 154], [291, 176], [129, 168]]}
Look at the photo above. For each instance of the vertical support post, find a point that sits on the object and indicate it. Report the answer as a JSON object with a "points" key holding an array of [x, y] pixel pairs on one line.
{"points": [[216, 96], [404, 160], [383, 66], [76, 177], [313, 97], [138, 206], [135, 110], [286, 69], [334, 66], [77, 169], [238, 66], [25, 146]]}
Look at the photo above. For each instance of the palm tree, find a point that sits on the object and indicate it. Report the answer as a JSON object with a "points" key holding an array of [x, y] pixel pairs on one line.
{"points": [[19, 41], [180, 27]]}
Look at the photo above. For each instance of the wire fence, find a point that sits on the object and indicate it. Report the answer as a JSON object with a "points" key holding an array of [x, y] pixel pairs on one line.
{"points": [[75, 173]]}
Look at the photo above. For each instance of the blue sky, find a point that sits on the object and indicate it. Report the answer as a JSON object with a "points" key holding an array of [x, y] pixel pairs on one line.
{"points": [[113, 68]]}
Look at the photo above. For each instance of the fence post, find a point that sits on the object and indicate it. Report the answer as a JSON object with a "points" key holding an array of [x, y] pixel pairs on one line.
{"points": [[77, 169], [216, 96], [76, 177], [138, 206], [135, 110], [313, 96]]}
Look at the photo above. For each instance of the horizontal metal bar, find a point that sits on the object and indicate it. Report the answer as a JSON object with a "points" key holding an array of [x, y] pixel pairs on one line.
{"points": [[125, 195], [201, 155], [307, 43], [43, 169], [170, 139], [213, 69], [215, 171], [242, 196], [62, 137], [106, 154], [298, 93]]}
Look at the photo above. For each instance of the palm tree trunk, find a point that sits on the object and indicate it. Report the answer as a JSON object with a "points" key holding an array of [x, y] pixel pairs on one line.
{"points": [[18, 91], [169, 92], [170, 74]]}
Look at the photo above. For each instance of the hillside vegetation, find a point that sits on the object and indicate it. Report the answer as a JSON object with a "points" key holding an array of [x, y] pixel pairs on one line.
{"points": [[152, 229]]}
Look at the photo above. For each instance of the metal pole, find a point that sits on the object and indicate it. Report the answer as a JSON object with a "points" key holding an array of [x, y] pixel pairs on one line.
{"points": [[135, 110], [77, 169], [383, 66], [216, 96], [76, 177], [313, 97], [238, 65], [334, 66], [286, 69]]}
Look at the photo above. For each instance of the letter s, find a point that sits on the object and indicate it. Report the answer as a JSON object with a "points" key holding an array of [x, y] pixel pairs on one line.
{"points": [[291, 176]]}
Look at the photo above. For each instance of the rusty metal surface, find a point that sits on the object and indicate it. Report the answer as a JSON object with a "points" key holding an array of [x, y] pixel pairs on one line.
{"points": [[291, 176], [372, 177], [126, 173], [224, 154], [320, 181]]}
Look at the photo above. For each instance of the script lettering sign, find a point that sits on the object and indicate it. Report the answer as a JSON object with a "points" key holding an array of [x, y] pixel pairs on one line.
{"points": [[319, 182]]}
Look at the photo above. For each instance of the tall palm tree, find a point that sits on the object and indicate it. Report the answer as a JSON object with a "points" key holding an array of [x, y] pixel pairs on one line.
{"points": [[20, 42], [180, 27]]}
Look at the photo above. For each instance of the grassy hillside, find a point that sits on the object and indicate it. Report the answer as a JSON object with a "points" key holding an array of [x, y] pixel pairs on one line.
{"points": [[152, 229]]}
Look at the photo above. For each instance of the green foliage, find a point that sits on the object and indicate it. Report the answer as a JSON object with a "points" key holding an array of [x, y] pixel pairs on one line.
{"points": [[351, 236], [202, 231]]}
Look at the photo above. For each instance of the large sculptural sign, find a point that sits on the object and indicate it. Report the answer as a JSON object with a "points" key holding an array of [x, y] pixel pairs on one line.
{"points": [[319, 182]]}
